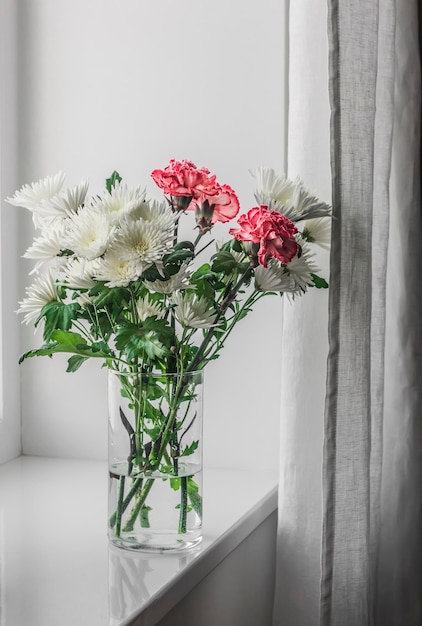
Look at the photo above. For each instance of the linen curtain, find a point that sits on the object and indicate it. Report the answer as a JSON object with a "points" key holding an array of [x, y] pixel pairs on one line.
{"points": [[371, 550], [370, 546]]}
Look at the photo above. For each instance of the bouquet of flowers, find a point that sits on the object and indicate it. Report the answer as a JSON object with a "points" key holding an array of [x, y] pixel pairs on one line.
{"points": [[115, 282]]}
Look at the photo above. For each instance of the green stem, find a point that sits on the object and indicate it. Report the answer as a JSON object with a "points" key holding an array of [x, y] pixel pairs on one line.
{"points": [[119, 505], [134, 489], [204, 247], [183, 505], [252, 299], [138, 506], [171, 417], [227, 300], [198, 239]]}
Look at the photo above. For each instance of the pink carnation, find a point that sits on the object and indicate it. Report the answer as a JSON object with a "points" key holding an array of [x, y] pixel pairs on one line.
{"points": [[271, 232], [222, 201], [182, 178], [211, 201]]}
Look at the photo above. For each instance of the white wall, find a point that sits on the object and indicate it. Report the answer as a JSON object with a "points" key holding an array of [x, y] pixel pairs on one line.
{"points": [[128, 85], [10, 436], [225, 596]]}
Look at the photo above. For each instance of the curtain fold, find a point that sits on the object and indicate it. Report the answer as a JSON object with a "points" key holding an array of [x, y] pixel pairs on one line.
{"points": [[371, 554], [350, 471]]}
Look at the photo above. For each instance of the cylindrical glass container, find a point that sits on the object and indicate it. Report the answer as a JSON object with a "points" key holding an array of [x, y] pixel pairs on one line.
{"points": [[155, 460]]}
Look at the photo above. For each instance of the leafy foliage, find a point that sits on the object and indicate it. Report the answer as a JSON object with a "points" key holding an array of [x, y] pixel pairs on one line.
{"points": [[137, 322]]}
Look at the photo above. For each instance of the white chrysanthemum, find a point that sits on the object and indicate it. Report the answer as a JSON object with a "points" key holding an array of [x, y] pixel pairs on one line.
{"points": [[152, 211], [193, 311], [31, 196], [303, 205], [79, 274], [47, 246], [42, 291], [175, 283], [146, 308], [89, 233], [272, 187], [118, 202], [115, 271], [301, 268], [273, 278], [62, 205], [318, 231], [288, 197], [142, 243]]}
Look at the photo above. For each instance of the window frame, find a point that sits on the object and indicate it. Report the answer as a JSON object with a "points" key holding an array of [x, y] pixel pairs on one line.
{"points": [[10, 422]]}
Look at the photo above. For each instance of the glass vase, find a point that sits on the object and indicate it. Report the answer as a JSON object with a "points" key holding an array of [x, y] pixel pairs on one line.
{"points": [[155, 460]]}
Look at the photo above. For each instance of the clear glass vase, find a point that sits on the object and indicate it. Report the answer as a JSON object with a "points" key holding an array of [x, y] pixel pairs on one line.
{"points": [[155, 460]]}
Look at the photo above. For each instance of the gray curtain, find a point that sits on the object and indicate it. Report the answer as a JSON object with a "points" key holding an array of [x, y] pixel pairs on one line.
{"points": [[372, 470]]}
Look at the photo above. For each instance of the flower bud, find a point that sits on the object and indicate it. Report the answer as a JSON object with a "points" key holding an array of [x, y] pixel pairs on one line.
{"points": [[180, 203], [251, 249], [203, 216]]}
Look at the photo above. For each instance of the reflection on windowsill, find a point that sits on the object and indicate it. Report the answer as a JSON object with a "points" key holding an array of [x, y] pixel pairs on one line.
{"points": [[54, 550]]}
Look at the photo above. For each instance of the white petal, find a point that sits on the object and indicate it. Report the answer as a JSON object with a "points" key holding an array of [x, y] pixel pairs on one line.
{"points": [[273, 278], [115, 271], [89, 233], [318, 231], [146, 308], [42, 291], [142, 242], [47, 246], [64, 204], [272, 186], [79, 274], [301, 268], [120, 201], [30, 196], [192, 311]]}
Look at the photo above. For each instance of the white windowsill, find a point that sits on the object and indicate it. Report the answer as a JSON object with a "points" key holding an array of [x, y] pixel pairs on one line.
{"points": [[55, 564]]}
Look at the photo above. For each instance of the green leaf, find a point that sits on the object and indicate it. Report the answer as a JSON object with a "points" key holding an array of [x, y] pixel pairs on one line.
{"points": [[100, 346], [190, 449], [205, 289], [319, 282], [225, 262], [182, 252], [75, 362], [106, 296], [152, 274], [177, 257], [175, 483], [194, 497], [181, 245], [144, 516], [236, 246], [154, 337], [63, 341], [188, 508], [192, 485], [57, 315], [69, 341], [155, 432], [202, 272], [114, 178]]}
